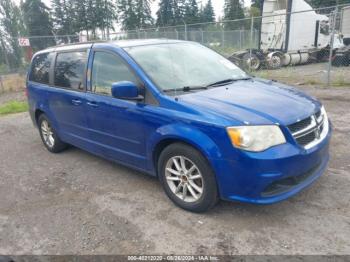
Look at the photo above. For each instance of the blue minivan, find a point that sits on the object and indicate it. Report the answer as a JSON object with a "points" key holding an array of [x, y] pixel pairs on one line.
{"points": [[181, 112]]}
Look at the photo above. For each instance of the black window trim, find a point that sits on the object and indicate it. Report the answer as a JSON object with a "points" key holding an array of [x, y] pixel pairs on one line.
{"points": [[87, 50], [141, 84]]}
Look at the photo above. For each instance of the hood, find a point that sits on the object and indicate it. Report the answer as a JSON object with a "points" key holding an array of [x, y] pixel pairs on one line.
{"points": [[254, 101]]}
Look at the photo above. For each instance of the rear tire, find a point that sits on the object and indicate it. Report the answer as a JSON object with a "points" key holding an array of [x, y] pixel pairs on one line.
{"points": [[49, 135], [251, 62], [275, 61], [187, 178]]}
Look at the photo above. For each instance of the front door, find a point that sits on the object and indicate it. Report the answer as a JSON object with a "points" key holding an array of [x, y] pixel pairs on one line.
{"points": [[115, 125]]}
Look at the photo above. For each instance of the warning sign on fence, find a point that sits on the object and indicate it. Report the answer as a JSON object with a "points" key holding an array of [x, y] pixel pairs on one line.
{"points": [[22, 41]]}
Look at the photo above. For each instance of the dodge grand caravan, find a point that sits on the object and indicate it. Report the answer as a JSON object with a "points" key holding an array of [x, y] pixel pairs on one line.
{"points": [[180, 111]]}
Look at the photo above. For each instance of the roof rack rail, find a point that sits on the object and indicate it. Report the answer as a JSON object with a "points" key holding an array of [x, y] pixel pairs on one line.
{"points": [[80, 43]]}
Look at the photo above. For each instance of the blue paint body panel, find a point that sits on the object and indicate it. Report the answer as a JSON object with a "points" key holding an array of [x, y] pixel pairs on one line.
{"points": [[128, 132]]}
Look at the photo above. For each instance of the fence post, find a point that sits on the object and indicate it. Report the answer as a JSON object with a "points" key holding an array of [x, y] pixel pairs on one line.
{"points": [[240, 39], [202, 36], [223, 37], [138, 33], [186, 31], [251, 42], [1, 85], [334, 20]]}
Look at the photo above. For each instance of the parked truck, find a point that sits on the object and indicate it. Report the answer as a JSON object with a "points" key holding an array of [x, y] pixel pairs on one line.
{"points": [[342, 55], [291, 33]]}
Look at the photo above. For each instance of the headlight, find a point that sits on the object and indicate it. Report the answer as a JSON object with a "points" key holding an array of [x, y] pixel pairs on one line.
{"points": [[255, 138]]}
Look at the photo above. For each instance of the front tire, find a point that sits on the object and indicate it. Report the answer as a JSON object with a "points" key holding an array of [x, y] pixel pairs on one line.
{"points": [[187, 178], [49, 136]]}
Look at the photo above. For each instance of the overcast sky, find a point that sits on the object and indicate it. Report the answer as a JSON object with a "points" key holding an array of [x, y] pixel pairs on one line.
{"points": [[218, 5]]}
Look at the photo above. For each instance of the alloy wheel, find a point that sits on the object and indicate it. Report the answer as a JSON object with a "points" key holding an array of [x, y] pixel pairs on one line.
{"points": [[184, 179], [47, 133]]}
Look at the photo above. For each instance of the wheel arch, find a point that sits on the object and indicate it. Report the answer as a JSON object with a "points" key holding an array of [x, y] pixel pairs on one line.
{"points": [[191, 137], [38, 112], [167, 142]]}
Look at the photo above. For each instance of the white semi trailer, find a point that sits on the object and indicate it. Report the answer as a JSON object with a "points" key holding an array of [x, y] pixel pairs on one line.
{"points": [[291, 33], [342, 55], [345, 25]]}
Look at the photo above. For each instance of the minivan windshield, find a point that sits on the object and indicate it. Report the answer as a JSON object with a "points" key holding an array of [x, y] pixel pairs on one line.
{"points": [[185, 66]]}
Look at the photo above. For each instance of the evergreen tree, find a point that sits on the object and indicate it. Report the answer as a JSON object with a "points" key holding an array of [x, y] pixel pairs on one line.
{"points": [[233, 9], [171, 12], [208, 14], [38, 23], [143, 14], [11, 26], [191, 15], [83, 16], [128, 17], [103, 16], [63, 17], [325, 3]]}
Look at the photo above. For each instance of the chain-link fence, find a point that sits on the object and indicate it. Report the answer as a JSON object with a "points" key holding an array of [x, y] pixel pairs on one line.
{"points": [[289, 42]]}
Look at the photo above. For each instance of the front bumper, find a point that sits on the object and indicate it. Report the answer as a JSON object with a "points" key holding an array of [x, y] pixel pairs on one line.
{"points": [[273, 175]]}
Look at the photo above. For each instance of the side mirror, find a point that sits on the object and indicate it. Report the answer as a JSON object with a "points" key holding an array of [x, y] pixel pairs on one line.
{"points": [[126, 90]]}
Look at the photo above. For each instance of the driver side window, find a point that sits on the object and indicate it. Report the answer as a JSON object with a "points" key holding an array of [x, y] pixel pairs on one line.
{"points": [[108, 69]]}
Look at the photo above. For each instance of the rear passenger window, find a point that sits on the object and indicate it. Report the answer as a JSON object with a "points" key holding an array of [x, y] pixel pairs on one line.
{"points": [[108, 69], [40, 69], [70, 70]]}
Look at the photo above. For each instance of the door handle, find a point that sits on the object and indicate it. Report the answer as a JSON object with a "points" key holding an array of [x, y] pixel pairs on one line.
{"points": [[76, 102], [93, 104]]}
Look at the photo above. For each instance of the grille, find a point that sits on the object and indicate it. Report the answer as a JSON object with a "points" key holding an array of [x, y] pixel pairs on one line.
{"points": [[318, 114], [309, 129], [306, 139], [300, 125]]}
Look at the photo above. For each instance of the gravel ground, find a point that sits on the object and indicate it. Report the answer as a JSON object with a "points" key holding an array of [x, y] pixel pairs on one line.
{"points": [[77, 203]]}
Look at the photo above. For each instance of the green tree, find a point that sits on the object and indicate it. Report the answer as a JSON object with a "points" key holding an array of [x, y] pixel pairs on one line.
{"points": [[63, 17], [208, 13], [38, 23], [102, 16], [171, 12], [11, 26], [144, 14], [255, 12], [128, 17], [191, 15], [326, 3], [233, 9], [81, 16]]}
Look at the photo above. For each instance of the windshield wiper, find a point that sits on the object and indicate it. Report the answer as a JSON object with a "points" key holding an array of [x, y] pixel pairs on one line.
{"points": [[218, 83], [227, 81], [186, 89]]}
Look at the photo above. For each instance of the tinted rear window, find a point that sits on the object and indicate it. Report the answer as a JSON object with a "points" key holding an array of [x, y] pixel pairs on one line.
{"points": [[70, 69], [40, 68]]}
